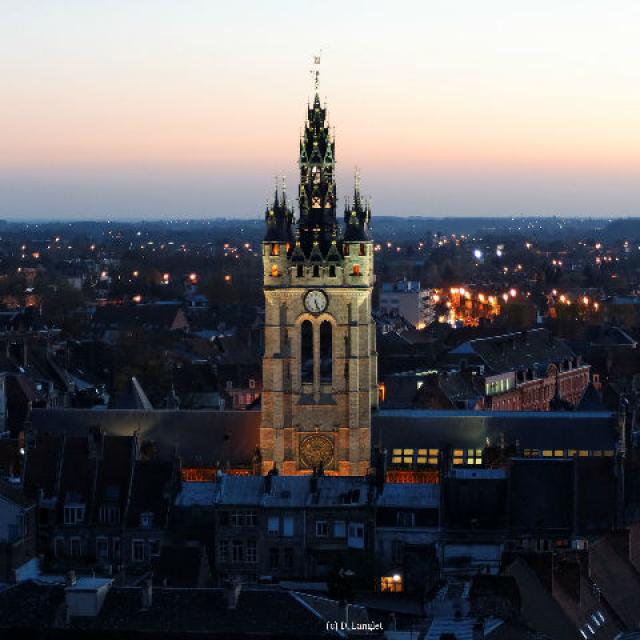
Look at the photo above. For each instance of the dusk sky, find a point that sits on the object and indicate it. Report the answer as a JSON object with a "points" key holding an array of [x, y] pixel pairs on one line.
{"points": [[152, 109]]}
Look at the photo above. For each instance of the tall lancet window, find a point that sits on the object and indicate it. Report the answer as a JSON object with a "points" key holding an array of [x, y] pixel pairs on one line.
{"points": [[306, 351], [326, 352]]}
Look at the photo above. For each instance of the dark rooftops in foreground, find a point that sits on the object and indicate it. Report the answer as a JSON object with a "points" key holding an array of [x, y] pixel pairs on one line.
{"points": [[163, 612]]}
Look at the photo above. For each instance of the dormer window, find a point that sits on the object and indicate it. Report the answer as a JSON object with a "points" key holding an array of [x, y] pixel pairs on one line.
{"points": [[363, 249], [345, 249], [146, 520], [275, 249]]}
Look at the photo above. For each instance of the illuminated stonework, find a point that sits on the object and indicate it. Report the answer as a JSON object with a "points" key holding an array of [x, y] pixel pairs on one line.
{"points": [[320, 362]]}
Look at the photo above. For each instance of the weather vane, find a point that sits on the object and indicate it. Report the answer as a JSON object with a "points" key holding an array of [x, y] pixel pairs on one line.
{"points": [[315, 71]]}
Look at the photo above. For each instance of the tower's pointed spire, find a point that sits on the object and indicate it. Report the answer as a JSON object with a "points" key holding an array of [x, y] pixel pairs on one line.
{"points": [[317, 193], [356, 187], [356, 216]]}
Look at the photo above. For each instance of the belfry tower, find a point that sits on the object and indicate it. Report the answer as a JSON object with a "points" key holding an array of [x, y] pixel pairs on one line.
{"points": [[320, 361]]}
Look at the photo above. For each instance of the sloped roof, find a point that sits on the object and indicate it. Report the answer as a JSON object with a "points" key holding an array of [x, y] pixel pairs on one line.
{"points": [[201, 438], [470, 429], [617, 579], [28, 604], [515, 351], [205, 610]]}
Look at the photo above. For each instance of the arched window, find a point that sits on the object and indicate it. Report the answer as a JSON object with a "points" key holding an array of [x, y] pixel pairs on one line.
{"points": [[300, 271], [306, 351], [275, 249], [316, 271], [326, 352], [274, 271]]}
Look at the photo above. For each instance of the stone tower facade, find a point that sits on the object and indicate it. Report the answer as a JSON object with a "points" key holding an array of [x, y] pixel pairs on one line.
{"points": [[320, 362]]}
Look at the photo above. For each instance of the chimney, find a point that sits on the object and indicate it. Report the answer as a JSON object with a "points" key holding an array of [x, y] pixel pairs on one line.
{"points": [[232, 590], [146, 593], [268, 480]]}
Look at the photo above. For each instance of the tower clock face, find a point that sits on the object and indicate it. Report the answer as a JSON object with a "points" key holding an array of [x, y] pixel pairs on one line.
{"points": [[316, 449], [315, 301]]}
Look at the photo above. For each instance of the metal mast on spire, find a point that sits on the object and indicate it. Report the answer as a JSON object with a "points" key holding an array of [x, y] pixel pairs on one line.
{"points": [[315, 71]]}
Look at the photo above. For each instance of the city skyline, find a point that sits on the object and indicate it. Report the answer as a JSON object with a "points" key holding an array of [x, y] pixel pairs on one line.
{"points": [[186, 110]]}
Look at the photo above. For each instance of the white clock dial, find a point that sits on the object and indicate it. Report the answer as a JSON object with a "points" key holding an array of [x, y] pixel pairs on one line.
{"points": [[315, 301]]}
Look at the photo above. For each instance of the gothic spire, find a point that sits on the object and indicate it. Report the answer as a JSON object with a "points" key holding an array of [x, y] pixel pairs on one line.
{"points": [[317, 192], [356, 214]]}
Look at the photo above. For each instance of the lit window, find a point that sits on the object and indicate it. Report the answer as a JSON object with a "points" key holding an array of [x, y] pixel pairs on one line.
{"points": [[274, 271], [458, 453], [558, 453], [422, 452], [397, 452], [457, 461], [583, 453], [547, 453], [391, 584], [356, 269], [608, 454], [396, 460], [275, 249]]}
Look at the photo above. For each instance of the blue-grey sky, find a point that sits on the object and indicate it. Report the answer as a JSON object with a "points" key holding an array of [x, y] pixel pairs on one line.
{"points": [[190, 107]]}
